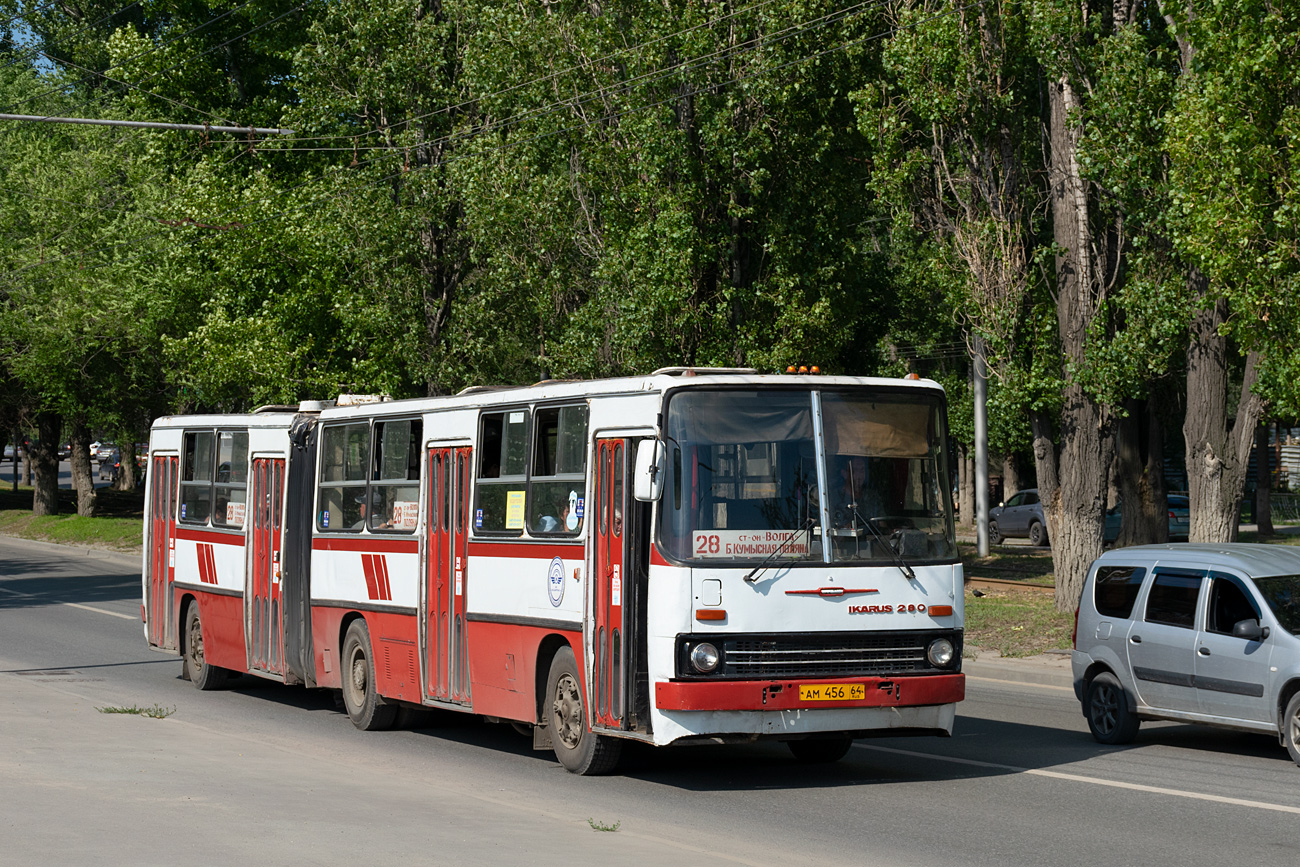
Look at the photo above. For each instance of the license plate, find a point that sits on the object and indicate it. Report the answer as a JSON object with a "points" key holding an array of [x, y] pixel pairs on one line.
{"points": [[832, 691]]}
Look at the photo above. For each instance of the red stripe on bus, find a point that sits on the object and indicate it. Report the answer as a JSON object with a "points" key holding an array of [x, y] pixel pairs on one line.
{"points": [[368, 567], [210, 553], [381, 578], [210, 536], [366, 544], [526, 550], [915, 691]]}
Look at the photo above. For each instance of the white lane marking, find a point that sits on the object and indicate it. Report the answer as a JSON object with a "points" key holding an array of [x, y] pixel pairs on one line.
{"points": [[1097, 781], [1020, 683], [72, 605]]}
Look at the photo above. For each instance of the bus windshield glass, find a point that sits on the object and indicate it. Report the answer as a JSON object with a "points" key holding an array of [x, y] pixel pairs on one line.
{"points": [[743, 483]]}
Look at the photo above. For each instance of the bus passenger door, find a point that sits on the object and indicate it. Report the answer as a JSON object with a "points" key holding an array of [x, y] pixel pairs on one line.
{"points": [[262, 606], [442, 612], [608, 681], [160, 602]]}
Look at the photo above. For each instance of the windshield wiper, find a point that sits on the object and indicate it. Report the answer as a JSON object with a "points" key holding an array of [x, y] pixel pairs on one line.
{"points": [[894, 555], [753, 573]]}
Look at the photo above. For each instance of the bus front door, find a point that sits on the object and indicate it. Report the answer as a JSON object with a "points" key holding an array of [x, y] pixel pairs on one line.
{"points": [[263, 617], [442, 611], [160, 602], [609, 629]]}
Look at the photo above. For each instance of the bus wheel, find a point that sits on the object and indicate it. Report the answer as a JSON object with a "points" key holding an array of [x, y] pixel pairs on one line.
{"points": [[194, 668], [579, 750], [820, 751], [364, 706]]}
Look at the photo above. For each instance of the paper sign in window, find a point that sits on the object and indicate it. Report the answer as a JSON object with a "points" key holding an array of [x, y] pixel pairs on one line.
{"points": [[515, 510]]}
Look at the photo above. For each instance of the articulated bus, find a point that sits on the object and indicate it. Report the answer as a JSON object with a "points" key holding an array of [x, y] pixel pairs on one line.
{"points": [[697, 555]]}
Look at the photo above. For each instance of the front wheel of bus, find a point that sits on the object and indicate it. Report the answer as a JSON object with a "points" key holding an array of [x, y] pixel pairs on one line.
{"points": [[820, 751], [195, 667], [360, 697], [580, 751]]}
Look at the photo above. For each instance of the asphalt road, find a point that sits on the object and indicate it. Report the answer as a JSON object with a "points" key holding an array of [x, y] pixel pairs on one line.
{"points": [[265, 774], [65, 473]]}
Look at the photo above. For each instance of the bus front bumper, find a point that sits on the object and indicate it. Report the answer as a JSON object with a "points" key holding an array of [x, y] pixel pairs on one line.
{"points": [[810, 693]]}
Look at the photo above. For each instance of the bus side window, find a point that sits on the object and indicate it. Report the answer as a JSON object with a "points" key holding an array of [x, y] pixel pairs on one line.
{"points": [[345, 457], [558, 481], [503, 472], [395, 492], [196, 477]]}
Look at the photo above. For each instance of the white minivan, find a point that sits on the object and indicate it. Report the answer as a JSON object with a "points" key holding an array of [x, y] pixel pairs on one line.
{"points": [[1195, 633]]}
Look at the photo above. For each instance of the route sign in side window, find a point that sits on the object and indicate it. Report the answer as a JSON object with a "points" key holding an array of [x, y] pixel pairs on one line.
{"points": [[1116, 589], [345, 459], [559, 471], [1173, 596], [395, 492], [196, 477], [503, 472], [230, 489]]}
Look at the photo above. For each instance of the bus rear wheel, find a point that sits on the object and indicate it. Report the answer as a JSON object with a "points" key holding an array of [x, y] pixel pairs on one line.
{"points": [[195, 667], [579, 750], [365, 708]]}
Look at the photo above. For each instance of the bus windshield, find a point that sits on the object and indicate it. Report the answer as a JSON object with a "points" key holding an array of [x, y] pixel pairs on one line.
{"points": [[744, 482]]}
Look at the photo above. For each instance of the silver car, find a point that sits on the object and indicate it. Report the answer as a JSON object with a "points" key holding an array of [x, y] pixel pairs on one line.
{"points": [[1194, 633]]}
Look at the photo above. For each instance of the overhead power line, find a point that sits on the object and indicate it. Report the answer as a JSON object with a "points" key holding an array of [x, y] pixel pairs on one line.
{"points": [[145, 124]]}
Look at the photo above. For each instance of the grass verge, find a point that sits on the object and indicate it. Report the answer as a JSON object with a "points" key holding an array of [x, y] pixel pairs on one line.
{"points": [[1016, 623], [117, 526]]}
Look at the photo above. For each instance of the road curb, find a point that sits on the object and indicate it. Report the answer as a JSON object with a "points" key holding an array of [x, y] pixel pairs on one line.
{"points": [[1048, 669], [118, 557]]}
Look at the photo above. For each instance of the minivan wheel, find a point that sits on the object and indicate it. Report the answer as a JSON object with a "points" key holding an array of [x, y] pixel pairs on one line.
{"points": [[1037, 534], [1291, 728], [1109, 719]]}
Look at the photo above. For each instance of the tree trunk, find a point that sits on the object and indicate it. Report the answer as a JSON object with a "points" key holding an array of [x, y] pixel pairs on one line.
{"points": [[125, 480], [82, 479], [1010, 476], [1217, 453], [966, 486], [1139, 465], [1072, 483], [1263, 483], [44, 460], [27, 462]]}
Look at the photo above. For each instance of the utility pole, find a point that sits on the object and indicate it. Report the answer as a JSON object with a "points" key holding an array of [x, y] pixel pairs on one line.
{"points": [[981, 450]]}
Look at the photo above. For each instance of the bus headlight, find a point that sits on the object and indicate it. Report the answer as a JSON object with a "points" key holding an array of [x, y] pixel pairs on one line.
{"points": [[704, 657], [939, 653]]}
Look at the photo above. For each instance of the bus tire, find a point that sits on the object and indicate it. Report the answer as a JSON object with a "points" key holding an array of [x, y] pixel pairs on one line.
{"points": [[194, 666], [580, 750], [821, 751], [361, 700]]}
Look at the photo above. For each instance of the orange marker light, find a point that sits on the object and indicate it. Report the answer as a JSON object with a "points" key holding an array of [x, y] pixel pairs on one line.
{"points": [[816, 369], [790, 369], [803, 369], [912, 376], [710, 614], [940, 610]]}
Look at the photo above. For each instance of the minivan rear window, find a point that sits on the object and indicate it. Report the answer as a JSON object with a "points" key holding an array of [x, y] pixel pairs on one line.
{"points": [[1116, 589]]}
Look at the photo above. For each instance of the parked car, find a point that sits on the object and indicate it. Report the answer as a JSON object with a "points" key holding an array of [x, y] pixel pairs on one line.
{"points": [[1180, 519], [65, 451], [1194, 633], [1021, 515], [104, 451]]}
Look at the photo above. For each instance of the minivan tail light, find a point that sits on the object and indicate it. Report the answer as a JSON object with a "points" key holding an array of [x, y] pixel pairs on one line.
{"points": [[1074, 633]]}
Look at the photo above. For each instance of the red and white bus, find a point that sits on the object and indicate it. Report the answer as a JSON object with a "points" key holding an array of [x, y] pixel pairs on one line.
{"points": [[691, 555]]}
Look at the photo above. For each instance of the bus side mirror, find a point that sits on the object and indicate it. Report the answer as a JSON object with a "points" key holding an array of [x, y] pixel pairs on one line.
{"points": [[648, 482]]}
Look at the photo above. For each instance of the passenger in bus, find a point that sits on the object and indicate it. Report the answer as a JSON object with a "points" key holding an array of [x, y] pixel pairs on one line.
{"points": [[375, 507], [552, 524]]}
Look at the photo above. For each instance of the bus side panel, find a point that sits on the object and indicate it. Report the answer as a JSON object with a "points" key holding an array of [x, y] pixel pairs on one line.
{"points": [[326, 634], [394, 640], [500, 676], [222, 617], [397, 661]]}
